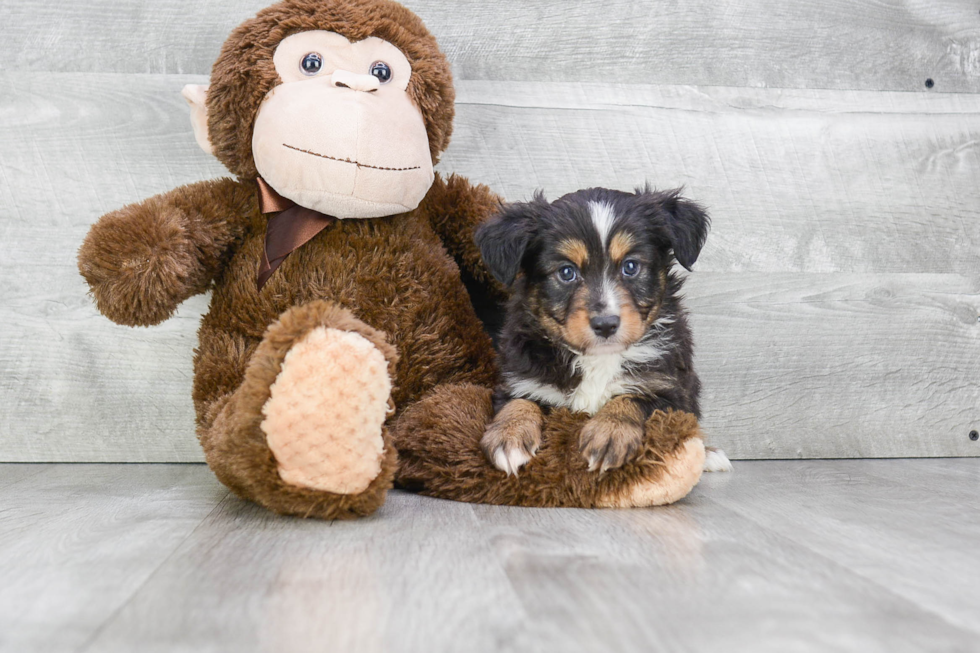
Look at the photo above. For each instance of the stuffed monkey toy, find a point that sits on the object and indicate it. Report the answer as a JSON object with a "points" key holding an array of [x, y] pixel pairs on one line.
{"points": [[341, 354]]}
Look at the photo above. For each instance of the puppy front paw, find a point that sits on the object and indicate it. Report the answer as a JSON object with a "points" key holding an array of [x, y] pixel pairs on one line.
{"points": [[514, 436], [607, 442]]}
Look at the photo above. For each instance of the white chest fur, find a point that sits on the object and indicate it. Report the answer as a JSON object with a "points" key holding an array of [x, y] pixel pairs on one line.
{"points": [[602, 379], [604, 376]]}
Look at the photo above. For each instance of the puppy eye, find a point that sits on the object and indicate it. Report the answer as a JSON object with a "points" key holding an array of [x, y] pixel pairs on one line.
{"points": [[631, 268], [311, 64], [382, 71], [567, 273]]}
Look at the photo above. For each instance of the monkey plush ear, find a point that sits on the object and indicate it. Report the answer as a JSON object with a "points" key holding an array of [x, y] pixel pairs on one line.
{"points": [[503, 240], [196, 96], [686, 222]]}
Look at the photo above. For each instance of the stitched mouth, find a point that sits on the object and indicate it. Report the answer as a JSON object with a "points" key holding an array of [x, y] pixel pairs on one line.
{"points": [[356, 163]]}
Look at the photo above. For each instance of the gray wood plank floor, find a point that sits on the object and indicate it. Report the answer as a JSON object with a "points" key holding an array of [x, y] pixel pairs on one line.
{"points": [[779, 556]]}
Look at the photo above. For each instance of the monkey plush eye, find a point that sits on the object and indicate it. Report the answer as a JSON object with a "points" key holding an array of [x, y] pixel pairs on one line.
{"points": [[382, 71], [311, 64], [631, 268], [567, 273]]}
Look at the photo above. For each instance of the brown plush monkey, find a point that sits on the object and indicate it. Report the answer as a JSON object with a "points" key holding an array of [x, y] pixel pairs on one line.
{"points": [[341, 352]]}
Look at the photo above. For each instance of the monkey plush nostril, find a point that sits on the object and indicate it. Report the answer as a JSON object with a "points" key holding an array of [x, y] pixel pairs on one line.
{"points": [[604, 326], [346, 79]]}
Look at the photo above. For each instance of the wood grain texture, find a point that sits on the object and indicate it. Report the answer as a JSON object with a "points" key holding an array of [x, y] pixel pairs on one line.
{"points": [[838, 365], [840, 44], [11, 474], [862, 556], [699, 576], [795, 180], [78, 540], [93, 144], [814, 181], [419, 575], [870, 517], [845, 240]]}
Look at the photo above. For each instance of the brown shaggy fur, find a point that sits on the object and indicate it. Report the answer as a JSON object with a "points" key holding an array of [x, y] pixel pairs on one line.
{"points": [[438, 442], [235, 445], [395, 280], [145, 259]]}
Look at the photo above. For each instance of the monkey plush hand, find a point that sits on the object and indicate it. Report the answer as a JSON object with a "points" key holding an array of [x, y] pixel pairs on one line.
{"points": [[341, 353]]}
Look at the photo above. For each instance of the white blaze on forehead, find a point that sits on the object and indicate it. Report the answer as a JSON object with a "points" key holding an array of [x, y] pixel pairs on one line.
{"points": [[602, 218]]}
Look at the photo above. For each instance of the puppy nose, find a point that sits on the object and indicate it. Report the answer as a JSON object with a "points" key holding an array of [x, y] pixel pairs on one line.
{"points": [[605, 325]]}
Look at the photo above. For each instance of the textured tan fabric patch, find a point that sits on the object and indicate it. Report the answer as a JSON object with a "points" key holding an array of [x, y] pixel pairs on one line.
{"points": [[327, 407]]}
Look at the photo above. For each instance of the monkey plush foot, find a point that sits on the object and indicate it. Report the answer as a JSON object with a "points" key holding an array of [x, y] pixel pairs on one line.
{"points": [[324, 418], [303, 434]]}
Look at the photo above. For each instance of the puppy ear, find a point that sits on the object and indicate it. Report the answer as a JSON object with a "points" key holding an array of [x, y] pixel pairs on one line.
{"points": [[504, 238], [687, 223]]}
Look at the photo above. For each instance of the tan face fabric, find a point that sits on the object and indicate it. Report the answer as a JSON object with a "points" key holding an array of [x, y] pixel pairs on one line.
{"points": [[340, 141]]}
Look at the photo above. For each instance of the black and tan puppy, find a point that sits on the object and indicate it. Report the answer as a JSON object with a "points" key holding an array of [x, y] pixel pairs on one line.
{"points": [[595, 323]]}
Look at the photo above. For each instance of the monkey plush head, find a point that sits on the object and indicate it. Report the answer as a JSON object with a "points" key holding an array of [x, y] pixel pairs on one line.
{"points": [[342, 106]]}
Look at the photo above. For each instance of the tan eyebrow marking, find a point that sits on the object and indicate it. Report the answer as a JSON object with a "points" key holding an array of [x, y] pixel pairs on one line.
{"points": [[575, 251], [620, 246]]}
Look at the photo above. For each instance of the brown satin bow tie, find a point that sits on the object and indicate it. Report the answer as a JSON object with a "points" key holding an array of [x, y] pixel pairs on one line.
{"points": [[292, 227]]}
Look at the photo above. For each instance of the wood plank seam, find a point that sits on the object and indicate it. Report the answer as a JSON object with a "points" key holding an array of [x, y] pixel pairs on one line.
{"points": [[122, 604]]}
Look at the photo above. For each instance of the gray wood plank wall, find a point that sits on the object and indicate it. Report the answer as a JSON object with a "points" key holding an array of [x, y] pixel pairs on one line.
{"points": [[836, 306]]}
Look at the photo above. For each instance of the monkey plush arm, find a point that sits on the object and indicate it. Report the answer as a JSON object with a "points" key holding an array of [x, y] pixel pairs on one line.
{"points": [[143, 260], [455, 209]]}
